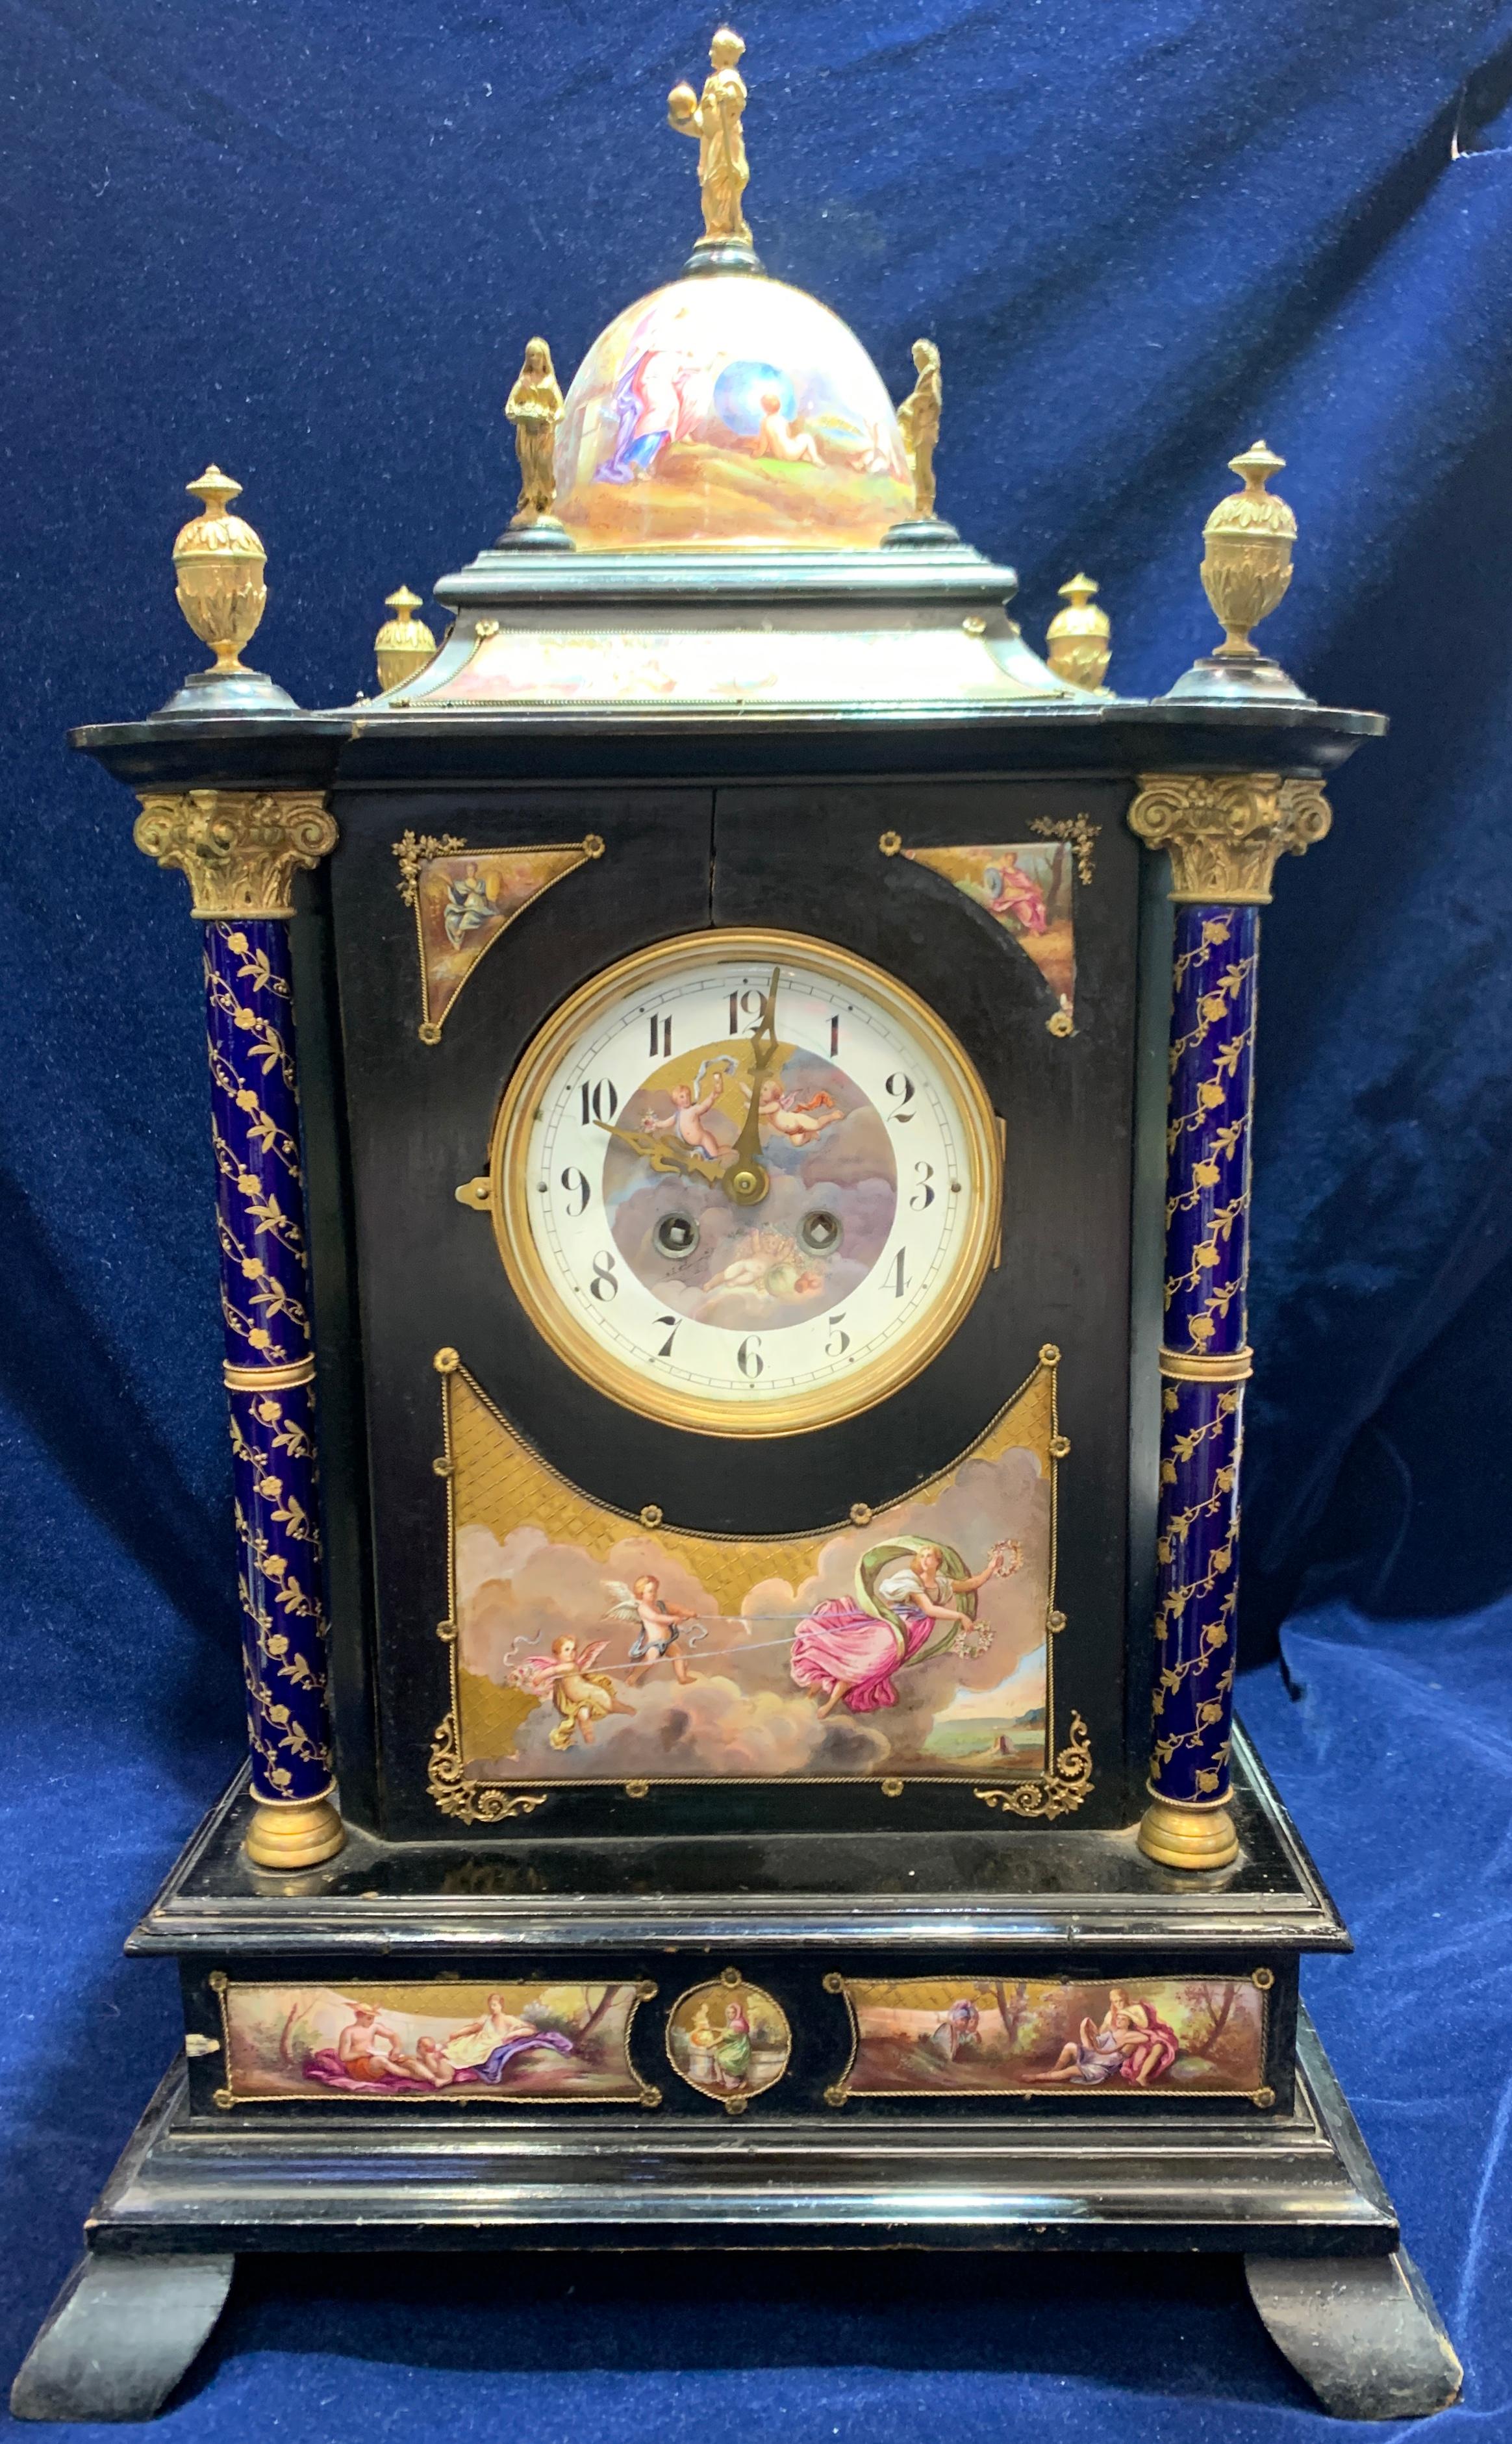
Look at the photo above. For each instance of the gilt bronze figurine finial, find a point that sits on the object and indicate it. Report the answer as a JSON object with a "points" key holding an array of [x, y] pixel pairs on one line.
{"points": [[918, 420], [713, 118], [534, 409], [1080, 637], [404, 644]]}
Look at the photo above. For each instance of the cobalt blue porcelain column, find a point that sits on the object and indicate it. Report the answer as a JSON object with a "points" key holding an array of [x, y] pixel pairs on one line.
{"points": [[1225, 832], [240, 850]]}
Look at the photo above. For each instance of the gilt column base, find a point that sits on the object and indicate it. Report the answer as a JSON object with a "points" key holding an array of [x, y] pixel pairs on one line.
{"points": [[293, 1833], [1180, 1833]]}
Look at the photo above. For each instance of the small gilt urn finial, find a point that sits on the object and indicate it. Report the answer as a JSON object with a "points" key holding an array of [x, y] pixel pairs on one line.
{"points": [[1079, 640], [219, 560], [714, 120], [1247, 562], [1247, 566], [404, 644]]}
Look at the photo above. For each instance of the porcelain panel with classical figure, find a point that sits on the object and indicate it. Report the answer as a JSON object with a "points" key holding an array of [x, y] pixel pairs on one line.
{"points": [[999, 2035], [409, 2041]]}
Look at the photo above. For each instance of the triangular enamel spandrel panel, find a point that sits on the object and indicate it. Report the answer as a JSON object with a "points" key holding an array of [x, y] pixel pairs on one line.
{"points": [[1025, 887], [464, 900]]}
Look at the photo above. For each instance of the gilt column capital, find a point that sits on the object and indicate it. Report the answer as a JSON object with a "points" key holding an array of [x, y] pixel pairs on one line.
{"points": [[1224, 831], [240, 848]]}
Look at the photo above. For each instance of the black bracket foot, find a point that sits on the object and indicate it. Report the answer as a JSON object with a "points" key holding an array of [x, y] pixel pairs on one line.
{"points": [[120, 2335], [1362, 2331]]}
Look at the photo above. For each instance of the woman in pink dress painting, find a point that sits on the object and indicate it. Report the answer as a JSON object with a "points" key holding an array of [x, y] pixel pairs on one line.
{"points": [[1015, 896], [849, 1647]]}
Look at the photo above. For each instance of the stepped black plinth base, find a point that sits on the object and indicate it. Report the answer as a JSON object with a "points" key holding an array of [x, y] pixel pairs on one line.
{"points": [[234, 2155], [1298, 2195]]}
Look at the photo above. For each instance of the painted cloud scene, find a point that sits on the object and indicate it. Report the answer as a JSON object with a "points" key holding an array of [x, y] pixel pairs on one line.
{"points": [[914, 1643]]}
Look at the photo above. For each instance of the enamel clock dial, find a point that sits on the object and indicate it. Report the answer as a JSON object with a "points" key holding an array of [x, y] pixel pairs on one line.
{"points": [[746, 1183]]}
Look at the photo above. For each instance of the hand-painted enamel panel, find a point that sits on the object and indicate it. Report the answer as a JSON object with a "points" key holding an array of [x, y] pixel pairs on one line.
{"points": [[913, 1643], [730, 666], [535, 2042], [728, 2040], [729, 410], [987, 2036], [463, 900], [1026, 887]]}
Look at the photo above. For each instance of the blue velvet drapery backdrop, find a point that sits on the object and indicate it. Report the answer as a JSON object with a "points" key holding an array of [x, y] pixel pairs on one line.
{"points": [[309, 239]]}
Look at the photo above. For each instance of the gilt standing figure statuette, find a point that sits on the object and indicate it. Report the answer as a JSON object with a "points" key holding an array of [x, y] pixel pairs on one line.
{"points": [[714, 118], [918, 420], [534, 409]]}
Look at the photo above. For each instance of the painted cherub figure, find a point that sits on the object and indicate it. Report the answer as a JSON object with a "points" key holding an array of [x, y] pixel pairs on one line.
{"points": [[661, 1623], [766, 1263], [688, 1122], [714, 118], [799, 1118], [777, 438], [580, 1695], [534, 409]]}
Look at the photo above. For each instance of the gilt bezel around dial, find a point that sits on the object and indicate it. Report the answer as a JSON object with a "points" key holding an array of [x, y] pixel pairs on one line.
{"points": [[823, 1313]]}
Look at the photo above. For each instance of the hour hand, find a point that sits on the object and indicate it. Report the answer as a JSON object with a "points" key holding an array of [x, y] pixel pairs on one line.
{"points": [[656, 1151]]}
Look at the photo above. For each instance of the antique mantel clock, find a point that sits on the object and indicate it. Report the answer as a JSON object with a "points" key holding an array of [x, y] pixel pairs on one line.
{"points": [[734, 1263]]}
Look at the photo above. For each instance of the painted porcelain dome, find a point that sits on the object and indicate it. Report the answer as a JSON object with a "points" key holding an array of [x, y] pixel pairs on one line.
{"points": [[729, 410]]}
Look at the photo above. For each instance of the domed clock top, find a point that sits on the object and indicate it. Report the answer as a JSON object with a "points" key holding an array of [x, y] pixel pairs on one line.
{"points": [[730, 409]]}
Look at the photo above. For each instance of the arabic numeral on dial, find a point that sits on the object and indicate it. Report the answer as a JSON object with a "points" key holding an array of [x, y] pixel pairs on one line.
{"points": [[923, 1197], [748, 1357], [900, 1086], [575, 1184], [839, 1342], [661, 1038], [665, 1351], [605, 1283], [834, 1037], [900, 1272], [600, 1101], [745, 1005]]}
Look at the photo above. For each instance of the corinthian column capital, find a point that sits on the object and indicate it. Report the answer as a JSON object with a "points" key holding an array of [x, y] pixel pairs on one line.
{"points": [[1224, 831], [240, 848]]}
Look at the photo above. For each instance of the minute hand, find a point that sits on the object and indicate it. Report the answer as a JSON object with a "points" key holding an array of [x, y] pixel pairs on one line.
{"points": [[743, 1177]]}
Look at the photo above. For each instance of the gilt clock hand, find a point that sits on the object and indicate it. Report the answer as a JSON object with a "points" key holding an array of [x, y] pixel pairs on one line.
{"points": [[744, 1178], [656, 1151]]}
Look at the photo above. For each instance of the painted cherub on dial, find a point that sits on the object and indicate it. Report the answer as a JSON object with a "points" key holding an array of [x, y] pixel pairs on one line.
{"points": [[797, 1117], [766, 1263], [688, 1121]]}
